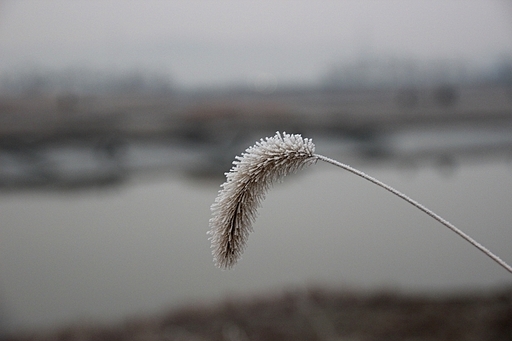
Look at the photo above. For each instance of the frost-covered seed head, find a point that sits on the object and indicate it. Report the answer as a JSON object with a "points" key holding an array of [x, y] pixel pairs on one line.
{"points": [[252, 174]]}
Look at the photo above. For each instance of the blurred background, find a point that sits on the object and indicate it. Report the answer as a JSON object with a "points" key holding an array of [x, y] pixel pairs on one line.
{"points": [[118, 120]]}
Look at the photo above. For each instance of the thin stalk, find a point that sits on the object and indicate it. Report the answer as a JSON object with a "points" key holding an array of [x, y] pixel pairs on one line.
{"points": [[420, 207]]}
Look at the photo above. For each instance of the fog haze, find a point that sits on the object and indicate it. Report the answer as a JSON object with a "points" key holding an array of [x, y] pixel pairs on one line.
{"points": [[202, 43], [104, 254]]}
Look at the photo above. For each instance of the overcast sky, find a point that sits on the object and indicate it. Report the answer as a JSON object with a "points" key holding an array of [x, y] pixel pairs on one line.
{"points": [[211, 42]]}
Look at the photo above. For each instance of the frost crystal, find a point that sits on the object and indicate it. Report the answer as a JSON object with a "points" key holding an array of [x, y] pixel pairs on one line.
{"points": [[252, 174]]}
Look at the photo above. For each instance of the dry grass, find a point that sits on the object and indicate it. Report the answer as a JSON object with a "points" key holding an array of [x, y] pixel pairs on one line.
{"points": [[257, 169], [317, 314]]}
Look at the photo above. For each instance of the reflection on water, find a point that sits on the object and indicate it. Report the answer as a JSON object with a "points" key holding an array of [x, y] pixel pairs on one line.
{"points": [[108, 254], [71, 165]]}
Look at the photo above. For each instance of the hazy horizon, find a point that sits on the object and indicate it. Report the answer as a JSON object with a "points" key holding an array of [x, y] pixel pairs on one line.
{"points": [[202, 44]]}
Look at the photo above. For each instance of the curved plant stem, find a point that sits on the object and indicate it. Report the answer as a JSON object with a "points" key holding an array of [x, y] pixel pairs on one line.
{"points": [[420, 207]]}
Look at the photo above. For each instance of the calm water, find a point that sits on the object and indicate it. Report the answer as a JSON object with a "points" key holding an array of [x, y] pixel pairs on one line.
{"points": [[104, 255]]}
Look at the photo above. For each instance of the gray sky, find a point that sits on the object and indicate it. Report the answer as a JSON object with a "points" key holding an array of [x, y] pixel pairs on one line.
{"points": [[203, 42]]}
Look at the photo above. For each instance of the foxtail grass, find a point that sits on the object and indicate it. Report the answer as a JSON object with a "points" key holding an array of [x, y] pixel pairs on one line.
{"points": [[256, 170]]}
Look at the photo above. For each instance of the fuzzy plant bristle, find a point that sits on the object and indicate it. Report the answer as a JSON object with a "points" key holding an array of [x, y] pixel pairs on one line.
{"points": [[252, 174], [256, 170]]}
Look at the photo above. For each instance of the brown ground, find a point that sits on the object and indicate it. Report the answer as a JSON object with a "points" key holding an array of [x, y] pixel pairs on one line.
{"points": [[318, 314]]}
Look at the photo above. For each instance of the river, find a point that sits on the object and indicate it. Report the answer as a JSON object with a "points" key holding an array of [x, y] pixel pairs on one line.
{"points": [[108, 254]]}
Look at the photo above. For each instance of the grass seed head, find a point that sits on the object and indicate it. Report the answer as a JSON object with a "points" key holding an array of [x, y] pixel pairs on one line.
{"points": [[252, 174]]}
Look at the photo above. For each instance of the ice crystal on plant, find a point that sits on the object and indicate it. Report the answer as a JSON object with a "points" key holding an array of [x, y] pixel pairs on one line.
{"points": [[252, 174], [268, 161]]}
